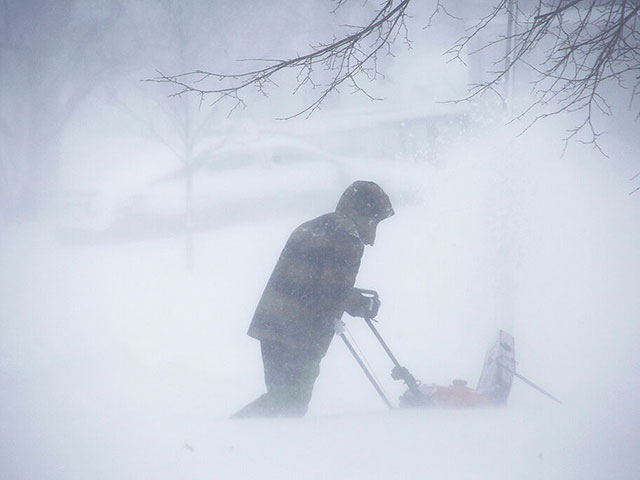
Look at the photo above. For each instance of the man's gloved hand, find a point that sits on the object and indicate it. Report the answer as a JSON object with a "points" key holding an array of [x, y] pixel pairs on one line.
{"points": [[360, 305]]}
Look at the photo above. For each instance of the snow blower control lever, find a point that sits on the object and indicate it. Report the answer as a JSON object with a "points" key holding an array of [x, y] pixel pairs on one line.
{"points": [[399, 372]]}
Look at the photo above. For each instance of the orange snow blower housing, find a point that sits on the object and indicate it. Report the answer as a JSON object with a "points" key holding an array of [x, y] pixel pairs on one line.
{"points": [[457, 395]]}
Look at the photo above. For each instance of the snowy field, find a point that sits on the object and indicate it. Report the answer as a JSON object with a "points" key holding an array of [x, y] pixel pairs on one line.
{"points": [[117, 363]]}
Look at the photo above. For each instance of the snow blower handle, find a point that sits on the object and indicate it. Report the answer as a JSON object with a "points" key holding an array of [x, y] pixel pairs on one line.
{"points": [[399, 372], [373, 302]]}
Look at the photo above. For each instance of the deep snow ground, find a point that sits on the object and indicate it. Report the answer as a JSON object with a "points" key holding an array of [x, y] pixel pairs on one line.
{"points": [[115, 363]]}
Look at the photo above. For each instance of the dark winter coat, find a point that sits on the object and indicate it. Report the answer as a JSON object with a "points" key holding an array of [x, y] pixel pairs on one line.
{"points": [[310, 283]]}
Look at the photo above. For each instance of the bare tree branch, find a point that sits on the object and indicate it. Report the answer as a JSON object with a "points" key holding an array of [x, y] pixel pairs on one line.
{"points": [[574, 48], [587, 45], [440, 7], [347, 60]]}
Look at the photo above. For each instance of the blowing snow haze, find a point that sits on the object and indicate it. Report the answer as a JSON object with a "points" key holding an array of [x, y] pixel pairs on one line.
{"points": [[139, 229]]}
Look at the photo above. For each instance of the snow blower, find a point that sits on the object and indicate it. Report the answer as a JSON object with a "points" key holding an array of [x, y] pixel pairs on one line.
{"points": [[493, 386]]}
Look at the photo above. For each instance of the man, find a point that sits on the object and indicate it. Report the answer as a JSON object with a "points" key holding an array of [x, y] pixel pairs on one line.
{"points": [[310, 288]]}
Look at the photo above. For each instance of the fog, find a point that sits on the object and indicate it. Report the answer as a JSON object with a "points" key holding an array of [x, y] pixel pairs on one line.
{"points": [[138, 232]]}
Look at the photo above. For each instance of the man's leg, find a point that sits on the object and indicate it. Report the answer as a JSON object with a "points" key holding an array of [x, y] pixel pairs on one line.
{"points": [[290, 379], [290, 374]]}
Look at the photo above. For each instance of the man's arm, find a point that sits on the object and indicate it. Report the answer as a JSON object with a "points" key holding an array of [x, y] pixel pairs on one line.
{"points": [[338, 274]]}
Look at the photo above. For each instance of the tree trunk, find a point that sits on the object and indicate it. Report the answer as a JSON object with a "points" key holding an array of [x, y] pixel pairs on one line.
{"points": [[188, 218]]}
